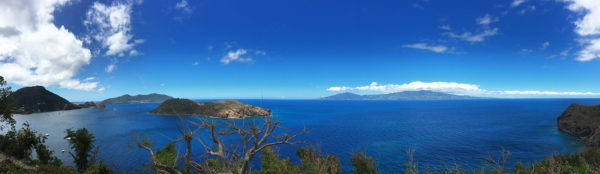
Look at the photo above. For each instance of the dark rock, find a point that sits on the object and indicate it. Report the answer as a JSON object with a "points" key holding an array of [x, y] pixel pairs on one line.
{"points": [[582, 122], [37, 99], [219, 109]]}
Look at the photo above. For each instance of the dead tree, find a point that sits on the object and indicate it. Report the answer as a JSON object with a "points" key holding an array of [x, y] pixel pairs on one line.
{"points": [[255, 138]]}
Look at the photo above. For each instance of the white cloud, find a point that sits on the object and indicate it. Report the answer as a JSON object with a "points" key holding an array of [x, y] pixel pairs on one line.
{"points": [[486, 19], [110, 67], [474, 37], [110, 25], [545, 45], [516, 3], [424, 46], [449, 87], [183, 5], [89, 78], [588, 27], [453, 88], [33, 51], [195, 63], [235, 56]]}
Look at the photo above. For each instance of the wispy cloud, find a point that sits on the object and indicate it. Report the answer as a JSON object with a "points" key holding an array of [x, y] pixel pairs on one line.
{"points": [[516, 3], [486, 19], [545, 45], [446, 27], [110, 68], [474, 37], [424, 46], [455, 88], [184, 6]]}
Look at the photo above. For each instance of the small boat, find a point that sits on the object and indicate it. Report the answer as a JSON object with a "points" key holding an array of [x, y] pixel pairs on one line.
{"points": [[47, 134], [68, 138], [63, 151]]}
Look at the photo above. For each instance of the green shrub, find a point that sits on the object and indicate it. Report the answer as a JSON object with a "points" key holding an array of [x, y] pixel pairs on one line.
{"points": [[363, 164]]}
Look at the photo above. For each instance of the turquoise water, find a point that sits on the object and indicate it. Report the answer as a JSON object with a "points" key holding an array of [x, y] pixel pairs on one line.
{"points": [[442, 132]]}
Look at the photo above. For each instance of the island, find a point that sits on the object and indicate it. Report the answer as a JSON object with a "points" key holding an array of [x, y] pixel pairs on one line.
{"points": [[218, 109], [36, 99], [406, 95], [148, 98], [582, 122]]}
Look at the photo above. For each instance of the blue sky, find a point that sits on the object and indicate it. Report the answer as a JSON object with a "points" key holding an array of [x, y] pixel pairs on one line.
{"points": [[302, 49]]}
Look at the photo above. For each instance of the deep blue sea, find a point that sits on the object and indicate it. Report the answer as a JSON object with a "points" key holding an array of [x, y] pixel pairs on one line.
{"points": [[441, 132]]}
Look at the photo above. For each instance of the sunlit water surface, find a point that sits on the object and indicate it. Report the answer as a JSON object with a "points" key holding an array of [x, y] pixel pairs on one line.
{"points": [[441, 132]]}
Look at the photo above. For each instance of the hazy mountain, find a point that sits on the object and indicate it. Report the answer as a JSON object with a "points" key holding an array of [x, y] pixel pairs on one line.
{"points": [[37, 99], [406, 95], [149, 98]]}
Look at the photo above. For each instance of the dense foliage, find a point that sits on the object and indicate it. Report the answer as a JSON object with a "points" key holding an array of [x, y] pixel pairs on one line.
{"points": [[82, 142]]}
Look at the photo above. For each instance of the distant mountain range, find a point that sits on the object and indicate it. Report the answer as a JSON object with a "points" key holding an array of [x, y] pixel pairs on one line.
{"points": [[149, 98], [406, 95]]}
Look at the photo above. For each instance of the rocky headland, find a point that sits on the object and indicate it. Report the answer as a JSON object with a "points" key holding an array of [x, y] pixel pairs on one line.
{"points": [[582, 122], [36, 99], [219, 109]]}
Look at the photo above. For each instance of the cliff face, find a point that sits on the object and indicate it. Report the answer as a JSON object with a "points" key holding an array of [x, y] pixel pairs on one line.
{"points": [[37, 99], [219, 109], [582, 122]]}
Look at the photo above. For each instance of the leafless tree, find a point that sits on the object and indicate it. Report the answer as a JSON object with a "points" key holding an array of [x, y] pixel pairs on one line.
{"points": [[255, 138]]}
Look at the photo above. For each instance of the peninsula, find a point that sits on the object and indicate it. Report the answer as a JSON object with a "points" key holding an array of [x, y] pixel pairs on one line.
{"points": [[219, 109], [582, 122]]}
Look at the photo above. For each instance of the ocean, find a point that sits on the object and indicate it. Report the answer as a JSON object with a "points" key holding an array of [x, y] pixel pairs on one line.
{"points": [[442, 133]]}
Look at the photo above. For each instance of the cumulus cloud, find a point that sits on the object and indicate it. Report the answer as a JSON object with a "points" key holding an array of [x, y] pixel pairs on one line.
{"points": [[424, 46], [110, 25], [33, 51], [235, 56], [474, 37], [453, 88], [588, 27]]}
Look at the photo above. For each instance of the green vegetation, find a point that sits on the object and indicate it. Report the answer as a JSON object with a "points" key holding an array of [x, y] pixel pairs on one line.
{"points": [[221, 109], [82, 142], [363, 164], [17, 146], [582, 122]]}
